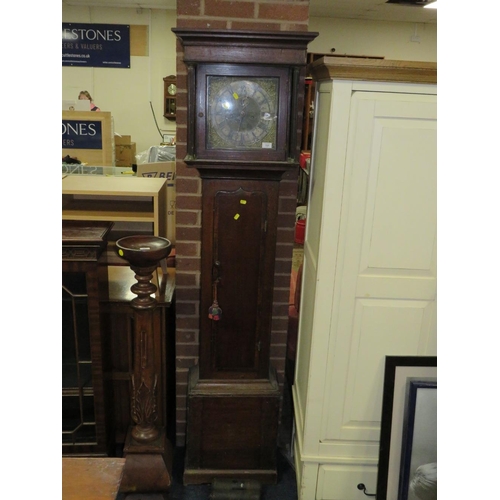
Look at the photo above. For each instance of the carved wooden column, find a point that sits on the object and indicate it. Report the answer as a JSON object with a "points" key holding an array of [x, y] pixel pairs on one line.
{"points": [[147, 450]]}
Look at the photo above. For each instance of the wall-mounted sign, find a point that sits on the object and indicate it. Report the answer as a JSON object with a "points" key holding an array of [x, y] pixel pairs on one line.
{"points": [[96, 45], [77, 134]]}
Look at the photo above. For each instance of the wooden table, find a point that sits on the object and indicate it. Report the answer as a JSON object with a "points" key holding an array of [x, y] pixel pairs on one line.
{"points": [[91, 478]]}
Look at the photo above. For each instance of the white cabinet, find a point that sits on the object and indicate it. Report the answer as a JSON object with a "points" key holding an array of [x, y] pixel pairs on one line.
{"points": [[369, 276]]}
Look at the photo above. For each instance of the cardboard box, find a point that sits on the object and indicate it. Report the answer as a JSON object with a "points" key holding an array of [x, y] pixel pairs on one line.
{"points": [[123, 140], [124, 154], [163, 170]]}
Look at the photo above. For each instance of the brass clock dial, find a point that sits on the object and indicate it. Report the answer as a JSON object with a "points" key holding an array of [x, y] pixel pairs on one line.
{"points": [[242, 113], [172, 89]]}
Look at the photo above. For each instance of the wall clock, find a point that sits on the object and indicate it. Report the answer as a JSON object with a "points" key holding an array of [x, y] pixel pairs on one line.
{"points": [[172, 89], [170, 97], [243, 130]]}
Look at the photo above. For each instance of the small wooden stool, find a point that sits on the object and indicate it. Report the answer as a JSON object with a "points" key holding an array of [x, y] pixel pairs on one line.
{"points": [[91, 478]]}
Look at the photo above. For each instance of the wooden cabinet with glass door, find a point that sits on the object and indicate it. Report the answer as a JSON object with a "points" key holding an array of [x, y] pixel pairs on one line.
{"points": [[85, 415]]}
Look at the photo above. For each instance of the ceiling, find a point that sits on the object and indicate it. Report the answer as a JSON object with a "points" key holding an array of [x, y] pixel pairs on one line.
{"points": [[377, 10]]}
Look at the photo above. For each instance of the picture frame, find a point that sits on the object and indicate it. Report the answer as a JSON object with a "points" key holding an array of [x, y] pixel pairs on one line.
{"points": [[408, 431]]}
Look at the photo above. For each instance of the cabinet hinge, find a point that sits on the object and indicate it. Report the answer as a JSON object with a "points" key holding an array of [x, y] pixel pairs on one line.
{"points": [[258, 345]]}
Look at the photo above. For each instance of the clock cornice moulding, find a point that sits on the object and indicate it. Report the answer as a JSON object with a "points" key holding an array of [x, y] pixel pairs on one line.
{"points": [[236, 46]]}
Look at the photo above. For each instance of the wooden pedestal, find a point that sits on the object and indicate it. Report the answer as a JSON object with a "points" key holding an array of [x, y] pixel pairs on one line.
{"points": [[236, 429], [147, 466]]}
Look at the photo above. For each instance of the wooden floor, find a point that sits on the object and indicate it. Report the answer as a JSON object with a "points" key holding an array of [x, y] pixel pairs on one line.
{"points": [[91, 478]]}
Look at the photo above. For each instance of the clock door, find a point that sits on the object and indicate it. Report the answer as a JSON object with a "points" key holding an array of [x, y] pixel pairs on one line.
{"points": [[239, 224]]}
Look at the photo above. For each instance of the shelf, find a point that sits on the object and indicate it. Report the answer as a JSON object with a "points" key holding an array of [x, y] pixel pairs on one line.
{"points": [[116, 199], [82, 209], [111, 186]]}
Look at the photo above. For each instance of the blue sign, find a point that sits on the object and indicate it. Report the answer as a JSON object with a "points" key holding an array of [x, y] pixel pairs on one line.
{"points": [[96, 45], [78, 134]]}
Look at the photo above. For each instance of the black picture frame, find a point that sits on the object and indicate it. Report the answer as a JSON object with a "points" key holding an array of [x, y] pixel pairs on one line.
{"points": [[419, 436], [403, 376]]}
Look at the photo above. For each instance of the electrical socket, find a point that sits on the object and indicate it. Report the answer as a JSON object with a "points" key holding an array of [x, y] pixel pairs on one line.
{"points": [[415, 38]]}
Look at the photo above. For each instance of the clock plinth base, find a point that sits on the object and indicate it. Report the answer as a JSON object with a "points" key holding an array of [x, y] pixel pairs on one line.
{"points": [[205, 476], [232, 429]]}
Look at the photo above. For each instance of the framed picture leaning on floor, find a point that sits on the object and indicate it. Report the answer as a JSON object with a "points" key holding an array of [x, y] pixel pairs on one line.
{"points": [[407, 467]]}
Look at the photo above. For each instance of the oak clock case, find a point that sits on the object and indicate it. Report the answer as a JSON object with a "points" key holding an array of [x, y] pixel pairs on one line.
{"points": [[242, 131]]}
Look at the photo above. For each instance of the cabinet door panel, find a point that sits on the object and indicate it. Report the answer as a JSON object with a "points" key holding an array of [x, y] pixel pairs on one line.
{"points": [[384, 303]]}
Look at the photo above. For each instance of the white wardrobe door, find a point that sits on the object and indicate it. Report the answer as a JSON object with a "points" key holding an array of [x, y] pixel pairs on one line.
{"points": [[384, 301]]}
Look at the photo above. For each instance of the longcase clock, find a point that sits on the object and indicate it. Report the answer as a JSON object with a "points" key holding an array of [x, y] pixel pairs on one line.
{"points": [[243, 134]]}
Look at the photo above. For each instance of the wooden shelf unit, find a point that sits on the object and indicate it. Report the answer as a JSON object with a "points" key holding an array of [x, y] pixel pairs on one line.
{"points": [[116, 199]]}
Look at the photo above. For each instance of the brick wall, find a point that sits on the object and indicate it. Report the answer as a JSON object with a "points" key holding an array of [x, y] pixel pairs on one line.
{"points": [[264, 15]]}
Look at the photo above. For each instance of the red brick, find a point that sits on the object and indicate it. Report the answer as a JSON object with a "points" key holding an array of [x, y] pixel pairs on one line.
{"points": [[282, 280], [184, 362], [186, 308], [228, 8], [182, 380], [285, 234], [187, 350], [188, 233], [180, 437], [304, 26], [283, 266], [181, 397], [186, 294], [200, 23], [182, 79], [280, 324], [182, 170], [255, 25], [180, 150], [188, 186], [189, 8], [187, 218], [188, 202], [187, 322], [287, 217], [189, 249], [180, 414], [287, 204], [186, 280], [187, 264], [280, 310], [186, 337], [284, 11], [278, 351], [281, 377], [281, 295], [181, 101], [279, 337]]}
